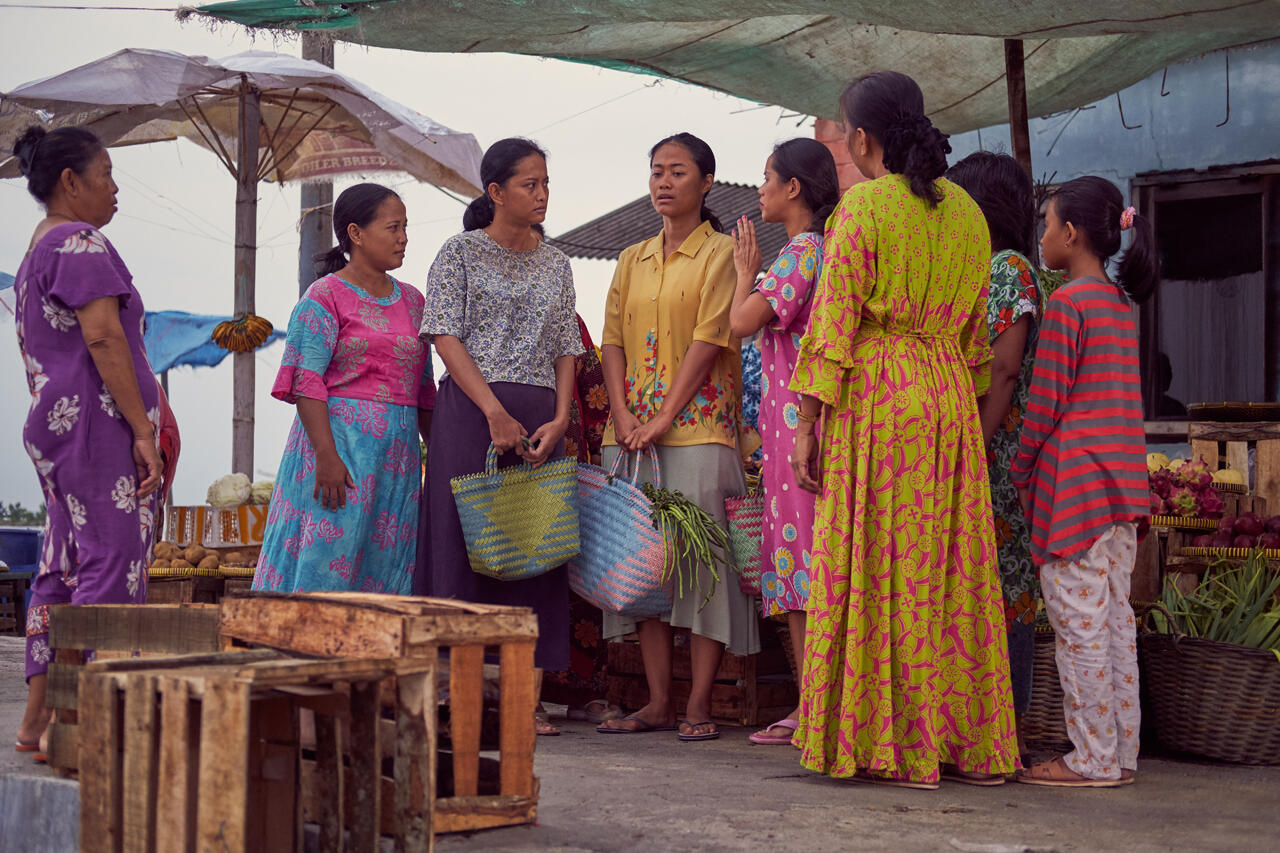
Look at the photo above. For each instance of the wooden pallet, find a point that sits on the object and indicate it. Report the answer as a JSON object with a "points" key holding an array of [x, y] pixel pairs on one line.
{"points": [[206, 752], [749, 690], [113, 631], [13, 610], [415, 632]]}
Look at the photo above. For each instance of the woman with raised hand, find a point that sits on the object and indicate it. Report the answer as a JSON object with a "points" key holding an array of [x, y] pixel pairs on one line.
{"points": [[92, 426], [800, 190], [906, 663], [501, 313], [673, 371], [1003, 192], [344, 514]]}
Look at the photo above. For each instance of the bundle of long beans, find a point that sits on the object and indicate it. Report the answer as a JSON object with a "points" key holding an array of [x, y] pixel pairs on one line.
{"points": [[692, 538]]}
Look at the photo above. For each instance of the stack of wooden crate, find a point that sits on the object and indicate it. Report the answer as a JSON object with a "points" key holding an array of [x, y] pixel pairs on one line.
{"points": [[13, 608], [749, 690], [333, 721]]}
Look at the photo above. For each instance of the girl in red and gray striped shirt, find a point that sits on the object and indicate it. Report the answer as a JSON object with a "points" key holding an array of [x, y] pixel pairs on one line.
{"points": [[1081, 473]]}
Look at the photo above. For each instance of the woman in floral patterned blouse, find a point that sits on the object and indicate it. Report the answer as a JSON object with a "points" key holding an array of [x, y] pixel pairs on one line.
{"points": [[673, 369], [1003, 192], [500, 312]]}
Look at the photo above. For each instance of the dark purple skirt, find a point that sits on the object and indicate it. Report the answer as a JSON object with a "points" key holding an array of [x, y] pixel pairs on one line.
{"points": [[459, 441]]}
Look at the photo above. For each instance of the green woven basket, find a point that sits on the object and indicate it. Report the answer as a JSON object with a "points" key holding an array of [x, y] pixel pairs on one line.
{"points": [[519, 522]]}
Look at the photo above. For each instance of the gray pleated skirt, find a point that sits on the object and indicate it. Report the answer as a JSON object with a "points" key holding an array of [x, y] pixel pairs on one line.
{"points": [[706, 474]]}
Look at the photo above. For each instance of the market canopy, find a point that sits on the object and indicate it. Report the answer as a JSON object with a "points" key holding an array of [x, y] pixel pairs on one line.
{"points": [[801, 53]]}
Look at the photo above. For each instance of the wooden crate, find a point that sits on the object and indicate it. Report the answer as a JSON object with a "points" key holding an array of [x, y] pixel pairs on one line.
{"points": [[206, 752], [415, 632], [749, 690], [185, 590], [113, 631], [1229, 443], [13, 606]]}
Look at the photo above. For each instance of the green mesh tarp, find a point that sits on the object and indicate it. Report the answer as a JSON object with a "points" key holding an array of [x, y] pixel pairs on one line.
{"points": [[800, 53]]}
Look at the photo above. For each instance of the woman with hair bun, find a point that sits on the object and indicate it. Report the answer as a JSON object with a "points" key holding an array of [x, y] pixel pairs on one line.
{"points": [[800, 190], [344, 512], [673, 368], [95, 406], [1083, 435], [906, 675], [501, 313]]}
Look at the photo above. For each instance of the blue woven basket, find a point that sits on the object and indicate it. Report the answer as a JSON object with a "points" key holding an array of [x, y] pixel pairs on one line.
{"points": [[518, 522], [621, 564]]}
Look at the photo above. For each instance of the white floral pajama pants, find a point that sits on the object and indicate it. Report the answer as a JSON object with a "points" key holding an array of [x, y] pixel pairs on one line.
{"points": [[1088, 605]]}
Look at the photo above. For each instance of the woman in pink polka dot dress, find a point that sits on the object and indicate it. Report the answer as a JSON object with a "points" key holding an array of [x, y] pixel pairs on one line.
{"points": [[800, 190]]}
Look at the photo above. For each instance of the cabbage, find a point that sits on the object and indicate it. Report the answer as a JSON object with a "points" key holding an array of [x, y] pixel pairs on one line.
{"points": [[231, 490], [260, 492]]}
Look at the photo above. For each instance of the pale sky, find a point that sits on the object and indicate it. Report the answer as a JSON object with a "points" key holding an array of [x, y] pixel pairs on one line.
{"points": [[177, 201]]}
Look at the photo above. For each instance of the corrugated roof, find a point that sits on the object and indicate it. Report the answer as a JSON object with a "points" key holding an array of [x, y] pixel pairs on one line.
{"points": [[605, 237]]}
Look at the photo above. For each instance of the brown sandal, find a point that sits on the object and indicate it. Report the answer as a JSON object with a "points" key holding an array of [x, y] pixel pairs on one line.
{"points": [[866, 778], [1056, 774], [953, 773]]}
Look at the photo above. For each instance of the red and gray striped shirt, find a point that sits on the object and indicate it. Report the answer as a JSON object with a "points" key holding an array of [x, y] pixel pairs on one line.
{"points": [[1083, 450]]}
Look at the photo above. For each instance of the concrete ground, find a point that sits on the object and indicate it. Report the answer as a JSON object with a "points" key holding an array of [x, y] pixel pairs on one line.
{"points": [[650, 792]]}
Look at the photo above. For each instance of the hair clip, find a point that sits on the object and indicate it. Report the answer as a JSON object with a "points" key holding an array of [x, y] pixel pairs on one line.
{"points": [[1126, 218]]}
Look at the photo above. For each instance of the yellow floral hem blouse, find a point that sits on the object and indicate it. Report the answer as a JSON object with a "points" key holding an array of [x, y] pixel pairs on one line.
{"points": [[655, 310]]}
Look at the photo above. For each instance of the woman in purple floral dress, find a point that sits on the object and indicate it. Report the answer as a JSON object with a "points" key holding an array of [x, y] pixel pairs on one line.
{"points": [[91, 429], [344, 514]]}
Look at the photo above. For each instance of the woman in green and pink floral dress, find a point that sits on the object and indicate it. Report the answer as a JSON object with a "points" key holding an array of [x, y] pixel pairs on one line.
{"points": [[1003, 192], [906, 673], [800, 190]]}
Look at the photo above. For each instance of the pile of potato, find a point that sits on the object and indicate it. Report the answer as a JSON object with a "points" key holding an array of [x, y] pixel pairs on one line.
{"points": [[167, 555]]}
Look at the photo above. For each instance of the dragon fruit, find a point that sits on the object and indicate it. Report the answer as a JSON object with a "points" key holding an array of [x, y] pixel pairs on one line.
{"points": [[1183, 502]]}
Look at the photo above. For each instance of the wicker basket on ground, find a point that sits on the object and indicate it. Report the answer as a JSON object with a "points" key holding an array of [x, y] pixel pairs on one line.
{"points": [[1212, 699]]}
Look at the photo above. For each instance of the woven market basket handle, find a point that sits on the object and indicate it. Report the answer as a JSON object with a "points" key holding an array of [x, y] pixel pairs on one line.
{"points": [[633, 473], [1144, 621], [491, 461]]}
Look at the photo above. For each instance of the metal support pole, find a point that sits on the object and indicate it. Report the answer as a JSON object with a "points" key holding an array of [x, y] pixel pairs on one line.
{"points": [[315, 225], [246, 237]]}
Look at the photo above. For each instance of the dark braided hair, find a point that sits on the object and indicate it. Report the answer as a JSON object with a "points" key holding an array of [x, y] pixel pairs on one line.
{"points": [[889, 106]]}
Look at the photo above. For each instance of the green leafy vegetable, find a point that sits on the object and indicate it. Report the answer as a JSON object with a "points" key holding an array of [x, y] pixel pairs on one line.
{"points": [[1233, 604], [692, 538]]}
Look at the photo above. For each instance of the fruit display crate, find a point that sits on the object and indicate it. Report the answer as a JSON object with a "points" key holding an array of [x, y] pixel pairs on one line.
{"points": [[1222, 443], [1228, 553], [1184, 522]]}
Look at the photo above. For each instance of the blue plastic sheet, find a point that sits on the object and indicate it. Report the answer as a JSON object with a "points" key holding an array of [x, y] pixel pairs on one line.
{"points": [[176, 338]]}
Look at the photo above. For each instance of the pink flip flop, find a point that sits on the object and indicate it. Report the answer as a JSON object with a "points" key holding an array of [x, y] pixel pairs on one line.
{"points": [[776, 740]]}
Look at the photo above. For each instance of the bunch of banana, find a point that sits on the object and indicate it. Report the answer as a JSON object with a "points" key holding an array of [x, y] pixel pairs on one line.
{"points": [[243, 334]]}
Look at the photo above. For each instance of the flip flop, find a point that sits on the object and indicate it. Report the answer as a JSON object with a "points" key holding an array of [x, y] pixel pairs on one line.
{"points": [[705, 736], [952, 773], [776, 740], [19, 746], [865, 778], [1050, 774], [595, 711], [644, 727], [40, 758]]}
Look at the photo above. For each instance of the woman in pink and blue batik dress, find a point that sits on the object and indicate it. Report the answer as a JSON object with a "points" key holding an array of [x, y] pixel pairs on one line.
{"points": [[344, 514], [800, 189]]}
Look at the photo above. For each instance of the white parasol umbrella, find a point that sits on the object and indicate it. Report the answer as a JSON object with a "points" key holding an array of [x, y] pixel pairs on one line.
{"points": [[266, 116]]}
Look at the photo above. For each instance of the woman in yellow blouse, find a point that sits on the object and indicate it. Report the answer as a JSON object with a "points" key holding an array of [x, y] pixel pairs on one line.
{"points": [[673, 371]]}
